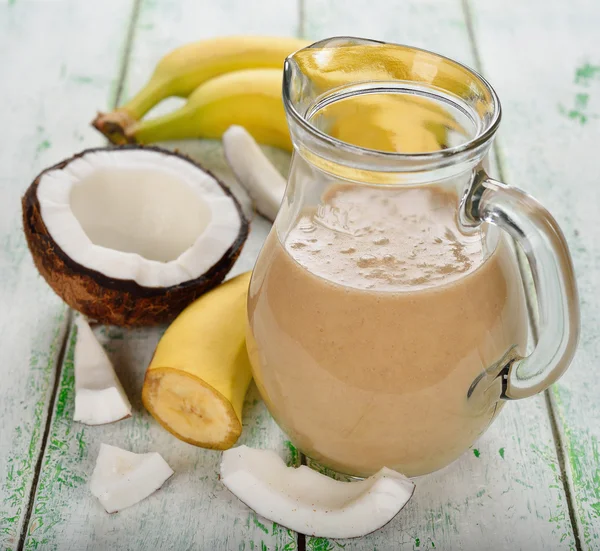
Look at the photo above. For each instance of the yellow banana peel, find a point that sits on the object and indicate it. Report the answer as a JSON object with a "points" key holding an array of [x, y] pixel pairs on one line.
{"points": [[250, 98], [196, 382], [181, 71]]}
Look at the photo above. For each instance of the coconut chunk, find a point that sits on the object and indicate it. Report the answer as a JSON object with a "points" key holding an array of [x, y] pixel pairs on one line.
{"points": [[99, 396], [309, 502], [264, 184], [122, 478]]}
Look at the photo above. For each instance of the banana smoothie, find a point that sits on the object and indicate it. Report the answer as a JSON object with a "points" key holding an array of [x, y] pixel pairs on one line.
{"points": [[379, 330]]}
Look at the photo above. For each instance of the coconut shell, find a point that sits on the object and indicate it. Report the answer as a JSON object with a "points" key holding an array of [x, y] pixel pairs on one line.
{"points": [[117, 301]]}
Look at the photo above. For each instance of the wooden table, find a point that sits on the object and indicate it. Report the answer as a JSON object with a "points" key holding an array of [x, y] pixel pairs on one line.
{"points": [[532, 482]]}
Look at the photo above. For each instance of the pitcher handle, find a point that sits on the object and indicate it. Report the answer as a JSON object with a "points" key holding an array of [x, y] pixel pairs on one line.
{"points": [[545, 247]]}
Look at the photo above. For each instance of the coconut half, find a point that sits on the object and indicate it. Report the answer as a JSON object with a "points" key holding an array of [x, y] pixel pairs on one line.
{"points": [[99, 395], [130, 236], [122, 478], [263, 182], [309, 502]]}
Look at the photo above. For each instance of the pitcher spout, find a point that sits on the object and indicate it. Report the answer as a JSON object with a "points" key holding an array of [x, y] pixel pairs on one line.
{"points": [[386, 108], [313, 71]]}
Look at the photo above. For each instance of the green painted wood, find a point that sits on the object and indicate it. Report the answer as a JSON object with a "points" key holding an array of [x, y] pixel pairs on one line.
{"points": [[544, 59], [193, 509], [57, 61], [505, 493]]}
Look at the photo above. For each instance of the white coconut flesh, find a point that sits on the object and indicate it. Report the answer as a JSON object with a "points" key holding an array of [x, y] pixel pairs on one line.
{"points": [[309, 502], [99, 396], [263, 182], [138, 215], [122, 478]]}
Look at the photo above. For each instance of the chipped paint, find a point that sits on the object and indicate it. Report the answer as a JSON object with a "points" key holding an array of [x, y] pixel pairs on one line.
{"points": [[293, 459], [20, 466], [323, 544], [580, 109], [286, 540], [44, 145], [583, 456], [259, 524], [586, 73], [57, 471], [82, 79], [523, 483]]}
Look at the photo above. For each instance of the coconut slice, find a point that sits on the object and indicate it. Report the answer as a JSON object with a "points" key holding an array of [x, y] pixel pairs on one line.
{"points": [[130, 236], [254, 171], [99, 396], [122, 478], [309, 502]]}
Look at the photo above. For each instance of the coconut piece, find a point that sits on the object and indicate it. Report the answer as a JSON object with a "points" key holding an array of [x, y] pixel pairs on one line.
{"points": [[264, 184], [99, 396], [122, 478], [309, 502], [130, 236]]}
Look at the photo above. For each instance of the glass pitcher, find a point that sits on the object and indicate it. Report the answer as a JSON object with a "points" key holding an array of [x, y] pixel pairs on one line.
{"points": [[387, 315]]}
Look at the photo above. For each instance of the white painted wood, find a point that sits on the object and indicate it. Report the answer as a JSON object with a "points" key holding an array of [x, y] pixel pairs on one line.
{"points": [[544, 59], [192, 510], [163, 25], [57, 63], [511, 495]]}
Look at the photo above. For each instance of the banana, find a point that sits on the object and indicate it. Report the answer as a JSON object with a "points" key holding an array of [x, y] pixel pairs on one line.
{"points": [[196, 382], [181, 71], [390, 122], [250, 98]]}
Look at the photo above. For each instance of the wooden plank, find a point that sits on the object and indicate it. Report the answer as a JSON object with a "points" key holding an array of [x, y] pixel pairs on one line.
{"points": [[544, 60], [192, 510], [506, 492], [58, 60], [164, 25]]}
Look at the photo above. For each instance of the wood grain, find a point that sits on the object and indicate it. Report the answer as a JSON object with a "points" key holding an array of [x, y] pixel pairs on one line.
{"points": [[58, 61], [544, 59], [506, 492], [193, 510]]}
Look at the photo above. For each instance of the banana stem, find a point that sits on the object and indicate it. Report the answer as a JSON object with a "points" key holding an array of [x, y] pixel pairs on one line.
{"points": [[172, 126], [119, 125], [150, 95]]}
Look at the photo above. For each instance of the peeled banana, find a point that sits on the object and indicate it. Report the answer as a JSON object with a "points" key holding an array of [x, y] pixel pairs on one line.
{"points": [[196, 382], [250, 98], [181, 71]]}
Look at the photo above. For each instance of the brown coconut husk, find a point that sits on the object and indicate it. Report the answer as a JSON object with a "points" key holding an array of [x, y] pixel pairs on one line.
{"points": [[116, 301]]}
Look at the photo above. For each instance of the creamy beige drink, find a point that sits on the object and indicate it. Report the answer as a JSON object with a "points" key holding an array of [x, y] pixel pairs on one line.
{"points": [[373, 320]]}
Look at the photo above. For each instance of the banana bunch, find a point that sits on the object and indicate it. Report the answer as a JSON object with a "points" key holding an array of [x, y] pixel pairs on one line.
{"points": [[226, 80]]}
